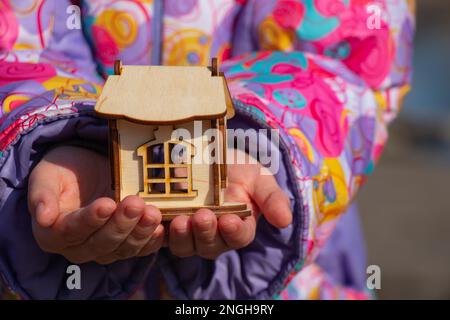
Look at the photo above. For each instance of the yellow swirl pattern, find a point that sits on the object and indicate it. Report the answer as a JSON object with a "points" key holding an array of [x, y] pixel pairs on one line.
{"points": [[188, 47], [12, 101], [331, 172], [273, 37], [120, 25]]}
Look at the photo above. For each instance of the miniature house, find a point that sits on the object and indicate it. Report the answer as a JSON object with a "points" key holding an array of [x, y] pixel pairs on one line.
{"points": [[144, 106]]}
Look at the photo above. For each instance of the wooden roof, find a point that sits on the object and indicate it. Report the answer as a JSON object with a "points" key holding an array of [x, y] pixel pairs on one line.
{"points": [[162, 94]]}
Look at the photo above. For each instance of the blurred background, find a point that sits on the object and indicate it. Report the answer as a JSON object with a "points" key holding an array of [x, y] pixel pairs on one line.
{"points": [[405, 206]]}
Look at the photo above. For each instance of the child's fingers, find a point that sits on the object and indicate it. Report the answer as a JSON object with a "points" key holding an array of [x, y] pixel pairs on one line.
{"points": [[74, 228], [155, 242], [208, 243], [43, 194], [272, 201], [141, 234], [181, 239], [77, 226], [237, 233], [117, 229], [105, 240]]}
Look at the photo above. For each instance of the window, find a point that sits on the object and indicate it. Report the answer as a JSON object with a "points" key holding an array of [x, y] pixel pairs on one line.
{"points": [[167, 169]]}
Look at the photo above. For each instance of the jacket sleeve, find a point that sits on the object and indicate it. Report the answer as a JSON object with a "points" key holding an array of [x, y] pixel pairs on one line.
{"points": [[329, 76], [48, 88]]}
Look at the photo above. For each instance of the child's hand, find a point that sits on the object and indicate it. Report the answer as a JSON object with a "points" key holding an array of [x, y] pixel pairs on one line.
{"points": [[206, 236], [72, 216]]}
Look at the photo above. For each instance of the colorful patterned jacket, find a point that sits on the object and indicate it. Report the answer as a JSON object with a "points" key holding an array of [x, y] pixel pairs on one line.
{"points": [[329, 74]]}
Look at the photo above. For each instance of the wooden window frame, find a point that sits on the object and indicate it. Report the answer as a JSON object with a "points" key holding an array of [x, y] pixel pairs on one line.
{"points": [[224, 144], [166, 165]]}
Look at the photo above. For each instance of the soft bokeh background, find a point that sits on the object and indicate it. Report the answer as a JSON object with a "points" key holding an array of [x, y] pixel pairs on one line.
{"points": [[405, 206]]}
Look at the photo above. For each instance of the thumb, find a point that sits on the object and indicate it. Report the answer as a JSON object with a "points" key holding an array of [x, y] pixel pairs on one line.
{"points": [[43, 194], [272, 201]]}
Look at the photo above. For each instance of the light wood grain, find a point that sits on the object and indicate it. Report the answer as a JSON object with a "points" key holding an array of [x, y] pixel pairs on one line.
{"points": [[132, 136], [164, 94], [114, 158], [148, 103], [240, 209]]}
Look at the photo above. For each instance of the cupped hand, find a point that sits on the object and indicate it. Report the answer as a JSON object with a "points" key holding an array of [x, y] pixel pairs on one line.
{"points": [[72, 214], [206, 236]]}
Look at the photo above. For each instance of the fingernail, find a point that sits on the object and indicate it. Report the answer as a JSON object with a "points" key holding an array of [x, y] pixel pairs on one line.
{"points": [[205, 223], [105, 212], [181, 231], [148, 221], [132, 212], [229, 228]]}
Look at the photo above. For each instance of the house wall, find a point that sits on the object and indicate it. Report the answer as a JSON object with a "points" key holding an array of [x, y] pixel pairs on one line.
{"points": [[132, 136]]}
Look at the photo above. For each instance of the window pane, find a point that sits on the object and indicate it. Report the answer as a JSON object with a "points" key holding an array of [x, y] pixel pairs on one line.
{"points": [[178, 153], [155, 154], [155, 173], [179, 187], [181, 172], [156, 188]]}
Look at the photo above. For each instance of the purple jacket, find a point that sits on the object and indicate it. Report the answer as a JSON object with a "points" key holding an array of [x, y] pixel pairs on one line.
{"points": [[328, 74]]}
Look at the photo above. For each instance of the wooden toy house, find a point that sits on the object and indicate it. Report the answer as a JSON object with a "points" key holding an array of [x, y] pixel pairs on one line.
{"points": [[144, 105]]}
